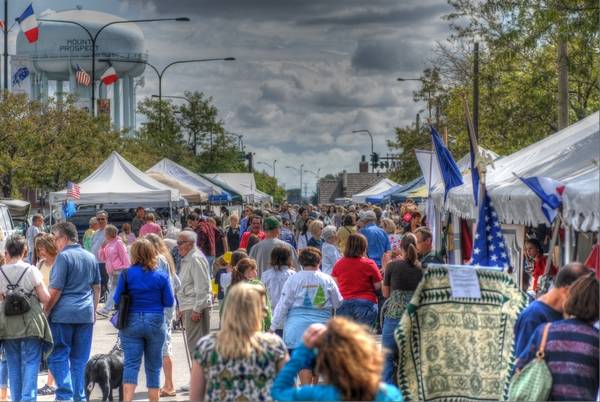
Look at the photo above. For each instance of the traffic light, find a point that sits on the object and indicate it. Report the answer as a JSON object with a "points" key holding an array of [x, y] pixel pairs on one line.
{"points": [[374, 158]]}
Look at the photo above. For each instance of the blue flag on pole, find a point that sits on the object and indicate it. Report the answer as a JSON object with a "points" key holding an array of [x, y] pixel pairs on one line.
{"points": [[489, 249], [549, 191], [20, 75], [450, 171], [474, 149]]}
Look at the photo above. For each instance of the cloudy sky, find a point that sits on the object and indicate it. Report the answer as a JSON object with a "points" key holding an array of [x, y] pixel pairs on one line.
{"points": [[308, 72]]}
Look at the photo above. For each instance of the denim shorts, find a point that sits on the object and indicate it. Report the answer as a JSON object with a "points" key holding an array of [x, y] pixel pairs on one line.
{"points": [[360, 310], [144, 336]]}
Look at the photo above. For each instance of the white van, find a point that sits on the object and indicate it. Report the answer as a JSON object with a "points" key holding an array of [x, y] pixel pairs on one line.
{"points": [[7, 227]]}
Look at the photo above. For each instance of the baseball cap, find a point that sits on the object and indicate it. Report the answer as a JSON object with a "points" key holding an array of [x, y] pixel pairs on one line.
{"points": [[271, 223]]}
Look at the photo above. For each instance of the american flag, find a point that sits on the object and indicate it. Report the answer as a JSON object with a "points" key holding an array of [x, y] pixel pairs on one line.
{"points": [[82, 77], [489, 249], [73, 190]]}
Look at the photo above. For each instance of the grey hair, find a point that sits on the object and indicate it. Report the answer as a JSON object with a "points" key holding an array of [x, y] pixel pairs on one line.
{"points": [[329, 232], [93, 221], [189, 235]]}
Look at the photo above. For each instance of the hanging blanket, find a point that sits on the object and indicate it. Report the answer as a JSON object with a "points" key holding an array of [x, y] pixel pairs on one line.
{"points": [[458, 349]]}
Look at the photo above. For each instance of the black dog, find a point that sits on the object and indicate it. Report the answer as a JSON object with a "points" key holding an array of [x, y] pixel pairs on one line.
{"points": [[106, 370]]}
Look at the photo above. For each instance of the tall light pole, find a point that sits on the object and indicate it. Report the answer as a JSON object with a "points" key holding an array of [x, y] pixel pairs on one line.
{"points": [[428, 91], [94, 38], [271, 165], [299, 171], [318, 176], [372, 149], [160, 74]]}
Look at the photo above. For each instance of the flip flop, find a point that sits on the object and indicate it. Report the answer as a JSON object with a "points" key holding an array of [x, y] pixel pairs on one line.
{"points": [[164, 393]]}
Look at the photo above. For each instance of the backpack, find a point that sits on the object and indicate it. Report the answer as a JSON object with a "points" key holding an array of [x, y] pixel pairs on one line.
{"points": [[16, 301]]}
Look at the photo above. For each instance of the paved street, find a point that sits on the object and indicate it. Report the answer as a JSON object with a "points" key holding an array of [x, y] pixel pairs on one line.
{"points": [[104, 339]]}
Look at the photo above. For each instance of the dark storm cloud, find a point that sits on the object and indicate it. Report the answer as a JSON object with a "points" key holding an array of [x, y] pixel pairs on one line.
{"points": [[388, 55]]}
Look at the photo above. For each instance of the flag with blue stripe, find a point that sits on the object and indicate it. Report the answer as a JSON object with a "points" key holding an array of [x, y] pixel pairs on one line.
{"points": [[450, 171]]}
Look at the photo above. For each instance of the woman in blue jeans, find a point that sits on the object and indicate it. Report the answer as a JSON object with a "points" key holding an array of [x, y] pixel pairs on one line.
{"points": [[150, 292], [23, 336], [401, 278], [358, 279]]}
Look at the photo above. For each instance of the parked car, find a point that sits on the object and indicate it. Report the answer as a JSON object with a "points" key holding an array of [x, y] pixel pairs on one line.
{"points": [[7, 227], [19, 211]]}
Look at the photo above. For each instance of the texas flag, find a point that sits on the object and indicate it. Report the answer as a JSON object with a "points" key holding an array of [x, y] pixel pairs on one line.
{"points": [[110, 76], [549, 191], [29, 24]]}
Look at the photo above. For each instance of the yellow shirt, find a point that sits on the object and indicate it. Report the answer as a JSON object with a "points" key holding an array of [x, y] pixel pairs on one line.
{"points": [[343, 233]]}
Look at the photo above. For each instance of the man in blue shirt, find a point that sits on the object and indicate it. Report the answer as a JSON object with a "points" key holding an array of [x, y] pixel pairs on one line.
{"points": [[74, 294], [378, 241], [547, 308]]}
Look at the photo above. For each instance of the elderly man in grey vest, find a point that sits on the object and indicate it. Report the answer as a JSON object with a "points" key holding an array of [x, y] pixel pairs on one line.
{"points": [[194, 295]]}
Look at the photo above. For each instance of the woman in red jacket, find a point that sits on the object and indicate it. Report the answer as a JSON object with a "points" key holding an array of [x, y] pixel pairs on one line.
{"points": [[535, 253]]}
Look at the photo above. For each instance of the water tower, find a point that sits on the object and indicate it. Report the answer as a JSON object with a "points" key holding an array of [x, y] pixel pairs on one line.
{"points": [[61, 47]]}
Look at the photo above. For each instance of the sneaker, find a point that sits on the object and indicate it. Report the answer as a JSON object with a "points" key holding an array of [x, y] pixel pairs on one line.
{"points": [[102, 313], [46, 390], [185, 388]]}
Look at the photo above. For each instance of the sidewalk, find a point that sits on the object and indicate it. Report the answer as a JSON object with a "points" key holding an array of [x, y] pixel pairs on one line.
{"points": [[104, 339]]}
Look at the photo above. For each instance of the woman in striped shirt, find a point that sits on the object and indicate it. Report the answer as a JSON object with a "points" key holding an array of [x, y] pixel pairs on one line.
{"points": [[571, 351]]}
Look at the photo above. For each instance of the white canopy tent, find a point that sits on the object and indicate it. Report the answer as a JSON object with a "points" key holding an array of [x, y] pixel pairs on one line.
{"points": [[190, 179], [244, 184], [116, 181], [569, 156], [380, 187]]}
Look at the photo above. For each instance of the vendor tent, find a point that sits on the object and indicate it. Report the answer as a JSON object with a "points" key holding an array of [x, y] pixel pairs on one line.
{"points": [[376, 190], [117, 181], [243, 183], [569, 156], [174, 175]]}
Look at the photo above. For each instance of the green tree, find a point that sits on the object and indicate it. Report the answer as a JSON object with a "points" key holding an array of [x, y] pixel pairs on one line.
{"points": [[268, 184]]}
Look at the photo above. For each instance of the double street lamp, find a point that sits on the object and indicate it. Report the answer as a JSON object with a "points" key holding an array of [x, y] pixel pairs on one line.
{"points": [[299, 171], [94, 38], [160, 74], [318, 176], [373, 157]]}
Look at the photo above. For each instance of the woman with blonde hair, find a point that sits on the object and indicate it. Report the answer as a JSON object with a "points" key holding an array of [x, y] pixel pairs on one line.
{"points": [[316, 230], [246, 271], [390, 228], [144, 334], [250, 358], [167, 265], [348, 359]]}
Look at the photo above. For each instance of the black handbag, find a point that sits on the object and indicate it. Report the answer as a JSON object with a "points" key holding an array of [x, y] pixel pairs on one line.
{"points": [[16, 301], [120, 317]]}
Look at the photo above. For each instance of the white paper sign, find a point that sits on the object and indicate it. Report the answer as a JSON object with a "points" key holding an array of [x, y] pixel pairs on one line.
{"points": [[464, 283]]}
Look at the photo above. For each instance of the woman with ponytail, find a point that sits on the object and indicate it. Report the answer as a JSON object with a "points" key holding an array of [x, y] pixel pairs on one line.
{"points": [[401, 278], [245, 271]]}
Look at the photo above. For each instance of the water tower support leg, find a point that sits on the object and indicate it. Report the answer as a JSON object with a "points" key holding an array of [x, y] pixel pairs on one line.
{"points": [[117, 105]]}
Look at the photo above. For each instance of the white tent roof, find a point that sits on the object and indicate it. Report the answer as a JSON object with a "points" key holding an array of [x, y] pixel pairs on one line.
{"points": [[569, 156], [378, 188], [118, 181], [190, 179], [244, 184]]}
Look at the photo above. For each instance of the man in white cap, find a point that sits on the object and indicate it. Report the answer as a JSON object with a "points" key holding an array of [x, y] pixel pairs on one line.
{"points": [[378, 241]]}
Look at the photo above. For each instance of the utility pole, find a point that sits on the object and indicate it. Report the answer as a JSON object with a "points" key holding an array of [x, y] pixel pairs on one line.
{"points": [[5, 45], [563, 80], [476, 89], [418, 122]]}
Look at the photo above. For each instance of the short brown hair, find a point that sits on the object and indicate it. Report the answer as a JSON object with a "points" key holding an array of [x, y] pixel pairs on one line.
{"points": [[310, 257], [425, 233], [111, 231], [239, 271], [47, 241], [144, 253], [582, 300], [356, 245]]}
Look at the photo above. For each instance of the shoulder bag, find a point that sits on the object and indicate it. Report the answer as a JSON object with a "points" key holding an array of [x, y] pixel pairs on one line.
{"points": [[119, 318], [16, 301], [534, 381]]}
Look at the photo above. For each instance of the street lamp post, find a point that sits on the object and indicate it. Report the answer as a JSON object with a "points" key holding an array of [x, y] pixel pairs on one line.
{"points": [[372, 148], [428, 91], [94, 37], [271, 165], [160, 74], [299, 171], [318, 176]]}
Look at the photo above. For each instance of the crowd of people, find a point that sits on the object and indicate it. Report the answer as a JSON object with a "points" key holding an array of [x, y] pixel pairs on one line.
{"points": [[301, 293]]}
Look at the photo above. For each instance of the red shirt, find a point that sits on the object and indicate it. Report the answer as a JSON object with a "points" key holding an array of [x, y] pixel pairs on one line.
{"points": [[539, 267], [206, 238], [356, 278], [246, 236]]}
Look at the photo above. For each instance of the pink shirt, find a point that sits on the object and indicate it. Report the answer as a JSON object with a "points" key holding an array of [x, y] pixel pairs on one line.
{"points": [[151, 227], [115, 255]]}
